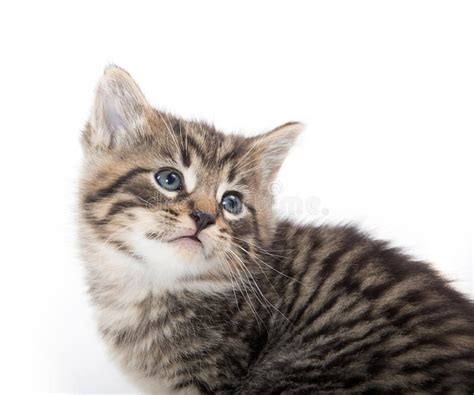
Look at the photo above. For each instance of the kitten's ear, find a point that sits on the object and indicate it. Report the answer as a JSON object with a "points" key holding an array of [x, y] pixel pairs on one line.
{"points": [[119, 112], [274, 146]]}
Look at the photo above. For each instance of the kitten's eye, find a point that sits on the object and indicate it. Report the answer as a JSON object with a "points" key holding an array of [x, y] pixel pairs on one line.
{"points": [[169, 179], [232, 203]]}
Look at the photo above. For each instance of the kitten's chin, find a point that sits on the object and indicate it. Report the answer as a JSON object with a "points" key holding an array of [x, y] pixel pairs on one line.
{"points": [[155, 267], [188, 247], [182, 252]]}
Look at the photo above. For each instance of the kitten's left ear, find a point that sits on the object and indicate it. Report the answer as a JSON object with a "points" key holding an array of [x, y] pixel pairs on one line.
{"points": [[274, 146], [119, 112]]}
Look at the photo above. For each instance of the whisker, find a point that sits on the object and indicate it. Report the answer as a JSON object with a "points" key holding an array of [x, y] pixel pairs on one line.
{"points": [[250, 304], [266, 303], [271, 267]]}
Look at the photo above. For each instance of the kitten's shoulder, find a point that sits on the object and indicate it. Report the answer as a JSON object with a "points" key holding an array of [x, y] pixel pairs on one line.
{"points": [[348, 237], [330, 233], [360, 247]]}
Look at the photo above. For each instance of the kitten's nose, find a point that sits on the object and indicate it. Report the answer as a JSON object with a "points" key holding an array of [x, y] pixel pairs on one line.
{"points": [[203, 220]]}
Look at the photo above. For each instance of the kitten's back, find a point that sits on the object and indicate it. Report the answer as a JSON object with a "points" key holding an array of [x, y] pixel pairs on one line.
{"points": [[364, 317]]}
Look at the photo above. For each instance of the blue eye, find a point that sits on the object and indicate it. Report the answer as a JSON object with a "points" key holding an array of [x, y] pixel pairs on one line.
{"points": [[232, 203], [169, 179]]}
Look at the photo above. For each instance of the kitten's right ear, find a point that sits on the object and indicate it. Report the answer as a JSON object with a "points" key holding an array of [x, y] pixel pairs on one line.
{"points": [[273, 147], [119, 112]]}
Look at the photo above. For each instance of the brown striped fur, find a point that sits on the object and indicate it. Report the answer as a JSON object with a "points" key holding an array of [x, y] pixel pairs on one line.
{"points": [[267, 307]]}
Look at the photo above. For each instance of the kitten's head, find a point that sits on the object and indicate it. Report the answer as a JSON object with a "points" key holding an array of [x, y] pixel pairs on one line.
{"points": [[173, 198]]}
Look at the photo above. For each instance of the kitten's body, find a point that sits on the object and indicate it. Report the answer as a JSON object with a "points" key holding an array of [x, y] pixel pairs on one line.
{"points": [[274, 308]]}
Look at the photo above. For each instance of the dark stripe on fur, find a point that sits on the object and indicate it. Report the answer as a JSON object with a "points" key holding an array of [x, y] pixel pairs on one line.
{"points": [[115, 186]]}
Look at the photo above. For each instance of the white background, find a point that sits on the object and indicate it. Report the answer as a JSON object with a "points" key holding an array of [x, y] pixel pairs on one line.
{"points": [[386, 90]]}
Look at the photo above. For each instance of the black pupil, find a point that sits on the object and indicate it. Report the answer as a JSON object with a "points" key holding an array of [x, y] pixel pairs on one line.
{"points": [[171, 179]]}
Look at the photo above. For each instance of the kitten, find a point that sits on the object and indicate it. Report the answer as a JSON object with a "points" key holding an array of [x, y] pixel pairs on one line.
{"points": [[200, 289]]}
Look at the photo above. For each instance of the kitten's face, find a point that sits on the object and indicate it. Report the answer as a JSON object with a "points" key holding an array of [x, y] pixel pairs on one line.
{"points": [[179, 198]]}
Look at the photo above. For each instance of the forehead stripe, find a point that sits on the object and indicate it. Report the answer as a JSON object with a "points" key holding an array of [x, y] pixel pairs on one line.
{"points": [[179, 129], [187, 140], [200, 152], [233, 154], [232, 174]]}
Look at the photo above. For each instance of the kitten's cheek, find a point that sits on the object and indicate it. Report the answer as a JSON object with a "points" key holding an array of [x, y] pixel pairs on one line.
{"points": [[206, 244]]}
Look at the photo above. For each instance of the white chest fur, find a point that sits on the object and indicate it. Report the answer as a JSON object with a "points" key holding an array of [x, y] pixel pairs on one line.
{"points": [[120, 287]]}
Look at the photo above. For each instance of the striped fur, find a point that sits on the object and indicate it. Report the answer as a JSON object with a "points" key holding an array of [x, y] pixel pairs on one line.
{"points": [[266, 307]]}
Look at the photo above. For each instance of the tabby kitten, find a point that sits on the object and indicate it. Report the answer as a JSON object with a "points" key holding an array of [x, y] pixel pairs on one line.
{"points": [[199, 289]]}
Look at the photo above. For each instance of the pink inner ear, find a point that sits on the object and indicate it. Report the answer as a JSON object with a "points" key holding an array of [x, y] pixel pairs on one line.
{"points": [[119, 102], [114, 119]]}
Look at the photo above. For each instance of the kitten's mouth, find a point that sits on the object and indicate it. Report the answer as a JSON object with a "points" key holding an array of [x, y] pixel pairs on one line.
{"points": [[192, 238]]}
